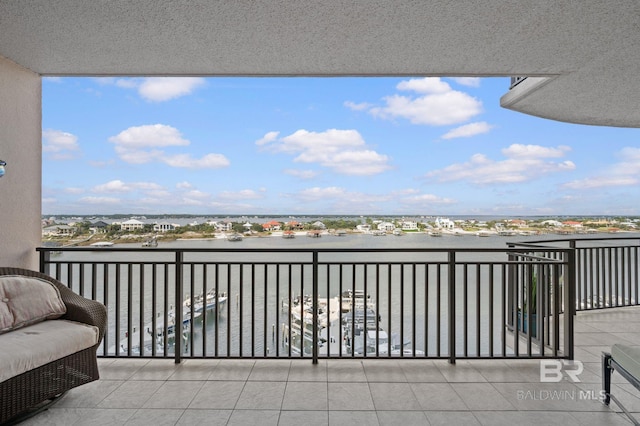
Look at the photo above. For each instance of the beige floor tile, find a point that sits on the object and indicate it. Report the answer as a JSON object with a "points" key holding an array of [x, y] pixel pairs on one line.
{"points": [[305, 396], [350, 396]]}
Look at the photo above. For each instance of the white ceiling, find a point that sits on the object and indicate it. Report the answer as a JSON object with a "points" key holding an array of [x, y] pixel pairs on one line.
{"points": [[589, 48]]}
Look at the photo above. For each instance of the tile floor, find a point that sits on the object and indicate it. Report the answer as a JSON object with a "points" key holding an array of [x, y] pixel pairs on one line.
{"points": [[356, 392]]}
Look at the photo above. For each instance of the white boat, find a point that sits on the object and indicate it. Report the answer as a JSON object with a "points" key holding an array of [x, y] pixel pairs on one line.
{"points": [[208, 303], [102, 244], [297, 335], [397, 232], [151, 242], [378, 233], [155, 337], [234, 237]]}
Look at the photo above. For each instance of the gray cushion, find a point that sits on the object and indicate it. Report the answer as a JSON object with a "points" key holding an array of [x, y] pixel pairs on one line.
{"points": [[38, 344], [27, 300], [628, 357]]}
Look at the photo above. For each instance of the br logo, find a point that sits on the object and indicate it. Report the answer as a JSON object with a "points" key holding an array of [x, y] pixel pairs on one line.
{"points": [[554, 370]]}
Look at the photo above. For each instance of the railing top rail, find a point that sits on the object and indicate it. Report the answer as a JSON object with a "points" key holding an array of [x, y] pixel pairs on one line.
{"points": [[298, 250], [567, 240]]}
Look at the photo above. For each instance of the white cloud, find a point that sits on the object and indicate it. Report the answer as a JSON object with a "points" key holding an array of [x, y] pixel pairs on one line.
{"points": [[468, 130], [59, 145], [535, 151], [100, 200], [317, 193], [624, 173], [467, 81], [184, 185], [156, 89], [137, 145], [159, 89], [435, 103], [427, 199], [343, 151], [269, 137], [357, 107], [302, 174], [425, 85], [120, 186], [151, 135], [523, 163], [209, 161], [197, 194]]}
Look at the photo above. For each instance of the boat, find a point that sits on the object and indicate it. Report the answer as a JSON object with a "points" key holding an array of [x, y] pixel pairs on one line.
{"points": [[397, 232], [151, 242], [483, 234], [202, 302], [314, 234], [297, 334], [288, 234], [234, 237], [435, 233], [102, 244], [378, 233], [155, 338], [341, 233]]}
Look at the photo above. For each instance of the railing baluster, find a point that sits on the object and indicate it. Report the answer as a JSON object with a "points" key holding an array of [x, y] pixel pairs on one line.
{"points": [[452, 305]]}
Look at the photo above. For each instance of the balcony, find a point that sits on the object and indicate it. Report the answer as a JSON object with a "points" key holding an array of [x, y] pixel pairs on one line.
{"points": [[355, 391], [464, 355]]}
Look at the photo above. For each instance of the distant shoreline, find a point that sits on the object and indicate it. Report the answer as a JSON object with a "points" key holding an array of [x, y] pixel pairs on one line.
{"points": [[193, 236]]}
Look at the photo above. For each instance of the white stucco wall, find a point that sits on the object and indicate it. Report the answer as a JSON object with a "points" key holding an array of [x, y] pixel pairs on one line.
{"points": [[21, 148]]}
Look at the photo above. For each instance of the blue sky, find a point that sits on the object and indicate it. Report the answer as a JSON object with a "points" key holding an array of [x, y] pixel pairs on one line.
{"points": [[392, 146]]}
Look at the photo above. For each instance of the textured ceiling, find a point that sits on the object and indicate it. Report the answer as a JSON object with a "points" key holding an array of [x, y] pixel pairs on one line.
{"points": [[590, 48]]}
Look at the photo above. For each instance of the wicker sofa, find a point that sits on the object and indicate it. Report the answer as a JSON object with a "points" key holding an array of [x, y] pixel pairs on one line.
{"points": [[25, 351]]}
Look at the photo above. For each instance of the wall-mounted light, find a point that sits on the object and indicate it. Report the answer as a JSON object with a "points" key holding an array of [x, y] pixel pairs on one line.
{"points": [[2, 164]]}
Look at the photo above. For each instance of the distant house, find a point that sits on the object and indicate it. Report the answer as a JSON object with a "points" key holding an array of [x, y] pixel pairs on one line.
{"points": [[554, 223], [131, 225], [224, 226], [386, 226], [164, 227], [409, 225], [444, 223], [365, 227], [98, 227], [294, 225], [518, 223], [58, 230], [572, 224], [272, 226], [318, 225]]}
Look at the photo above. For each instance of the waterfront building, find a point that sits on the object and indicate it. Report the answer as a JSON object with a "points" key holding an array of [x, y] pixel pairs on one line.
{"points": [[131, 225]]}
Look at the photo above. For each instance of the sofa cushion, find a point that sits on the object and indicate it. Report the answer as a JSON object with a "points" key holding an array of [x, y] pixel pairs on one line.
{"points": [[628, 357], [36, 345], [27, 300]]}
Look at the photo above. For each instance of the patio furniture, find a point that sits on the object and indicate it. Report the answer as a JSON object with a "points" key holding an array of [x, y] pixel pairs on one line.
{"points": [[48, 341], [626, 361]]}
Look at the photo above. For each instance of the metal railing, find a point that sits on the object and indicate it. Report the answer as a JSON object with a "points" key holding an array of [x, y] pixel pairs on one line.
{"points": [[607, 270], [324, 303]]}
